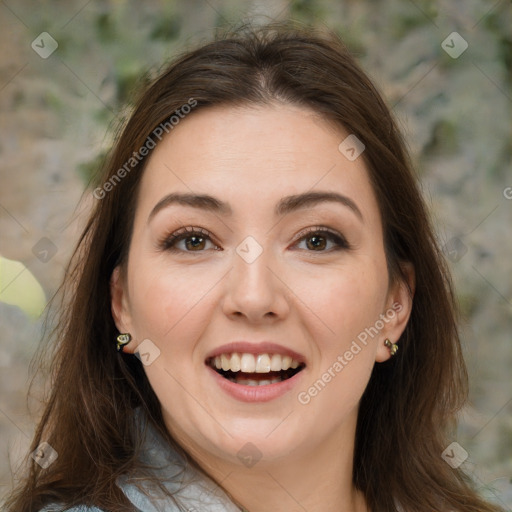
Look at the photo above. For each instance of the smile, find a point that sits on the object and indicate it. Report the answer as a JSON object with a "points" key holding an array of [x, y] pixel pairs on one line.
{"points": [[255, 369]]}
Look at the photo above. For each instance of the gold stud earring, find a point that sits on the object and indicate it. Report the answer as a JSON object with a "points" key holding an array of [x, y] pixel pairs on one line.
{"points": [[122, 340], [393, 347]]}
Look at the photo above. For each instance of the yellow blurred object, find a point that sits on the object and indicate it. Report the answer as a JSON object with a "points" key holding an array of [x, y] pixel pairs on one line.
{"points": [[19, 287]]}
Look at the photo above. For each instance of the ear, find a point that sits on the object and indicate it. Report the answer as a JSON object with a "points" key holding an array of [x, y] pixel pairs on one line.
{"points": [[120, 307], [398, 310]]}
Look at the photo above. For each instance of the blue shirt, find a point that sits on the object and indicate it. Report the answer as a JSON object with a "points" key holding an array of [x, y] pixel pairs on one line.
{"points": [[193, 490]]}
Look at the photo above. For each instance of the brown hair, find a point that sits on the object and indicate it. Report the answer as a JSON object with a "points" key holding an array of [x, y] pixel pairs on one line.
{"points": [[409, 406]]}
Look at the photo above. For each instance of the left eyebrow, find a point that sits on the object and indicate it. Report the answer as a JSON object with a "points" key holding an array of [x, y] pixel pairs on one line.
{"points": [[285, 205], [300, 201]]}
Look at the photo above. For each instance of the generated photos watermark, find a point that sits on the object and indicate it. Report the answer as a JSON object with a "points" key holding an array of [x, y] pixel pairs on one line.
{"points": [[305, 397], [137, 156]]}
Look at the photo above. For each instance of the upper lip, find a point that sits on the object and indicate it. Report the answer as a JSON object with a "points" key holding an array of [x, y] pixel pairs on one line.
{"points": [[263, 347]]}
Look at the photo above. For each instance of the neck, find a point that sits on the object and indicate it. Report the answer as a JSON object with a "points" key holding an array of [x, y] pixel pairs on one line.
{"points": [[294, 488], [316, 479]]}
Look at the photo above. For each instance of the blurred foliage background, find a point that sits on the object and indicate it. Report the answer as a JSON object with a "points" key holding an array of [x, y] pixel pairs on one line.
{"points": [[59, 115]]}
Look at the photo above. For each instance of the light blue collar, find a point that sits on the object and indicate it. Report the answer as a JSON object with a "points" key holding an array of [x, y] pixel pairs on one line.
{"points": [[191, 489]]}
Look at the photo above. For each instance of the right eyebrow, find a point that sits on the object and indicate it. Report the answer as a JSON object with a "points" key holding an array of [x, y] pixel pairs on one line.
{"points": [[200, 201]]}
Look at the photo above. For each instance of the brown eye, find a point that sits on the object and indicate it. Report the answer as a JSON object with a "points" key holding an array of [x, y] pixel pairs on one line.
{"points": [[317, 242], [195, 240], [318, 239]]}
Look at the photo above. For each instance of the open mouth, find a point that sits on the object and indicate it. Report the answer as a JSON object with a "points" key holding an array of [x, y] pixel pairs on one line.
{"points": [[255, 369]]}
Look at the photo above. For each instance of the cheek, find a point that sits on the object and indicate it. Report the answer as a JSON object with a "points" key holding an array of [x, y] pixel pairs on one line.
{"points": [[345, 300], [349, 304], [168, 303]]}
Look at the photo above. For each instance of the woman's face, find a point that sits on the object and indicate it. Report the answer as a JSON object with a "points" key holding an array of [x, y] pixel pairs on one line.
{"points": [[277, 261]]}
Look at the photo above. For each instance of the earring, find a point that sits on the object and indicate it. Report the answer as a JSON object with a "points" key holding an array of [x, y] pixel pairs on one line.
{"points": [[393, 347], [122, 340]]}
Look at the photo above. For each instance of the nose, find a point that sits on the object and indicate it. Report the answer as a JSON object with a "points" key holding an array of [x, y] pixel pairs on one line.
{"points": [[255, 289]]}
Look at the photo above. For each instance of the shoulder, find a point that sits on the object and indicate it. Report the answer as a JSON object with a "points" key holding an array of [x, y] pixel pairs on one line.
{"points": [[83, 508], [78, 508]]}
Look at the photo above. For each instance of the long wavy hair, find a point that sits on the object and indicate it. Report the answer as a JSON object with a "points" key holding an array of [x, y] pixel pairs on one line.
{"points": [[408, 409]]}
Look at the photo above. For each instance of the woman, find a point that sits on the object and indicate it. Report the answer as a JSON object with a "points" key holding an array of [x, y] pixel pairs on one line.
{"points": [[262, 259]]}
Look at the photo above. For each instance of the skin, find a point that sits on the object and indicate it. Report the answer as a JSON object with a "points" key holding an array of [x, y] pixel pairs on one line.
{"points": [[312, 300]]}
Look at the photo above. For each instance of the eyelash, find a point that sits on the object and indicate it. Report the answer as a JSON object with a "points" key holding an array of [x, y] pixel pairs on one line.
{"points": [[168, 243]]}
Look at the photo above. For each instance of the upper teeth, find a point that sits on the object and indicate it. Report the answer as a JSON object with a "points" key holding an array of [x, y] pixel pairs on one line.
{"points": [[249, 363]]}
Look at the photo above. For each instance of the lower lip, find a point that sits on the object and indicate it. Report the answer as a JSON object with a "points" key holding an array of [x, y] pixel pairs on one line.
{"points": [[263, 393]]}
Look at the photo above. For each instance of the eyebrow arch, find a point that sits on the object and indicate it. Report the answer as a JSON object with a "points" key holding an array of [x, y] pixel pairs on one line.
{"points": [[286, 205], [307, 199]]}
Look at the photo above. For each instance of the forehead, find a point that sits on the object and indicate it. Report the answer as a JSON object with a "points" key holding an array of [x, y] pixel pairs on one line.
{"points": [[252, 156]]}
